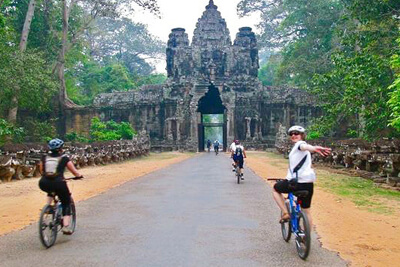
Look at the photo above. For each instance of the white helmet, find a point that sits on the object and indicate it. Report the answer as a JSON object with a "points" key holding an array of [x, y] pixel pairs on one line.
{"points": [[296, 128]]}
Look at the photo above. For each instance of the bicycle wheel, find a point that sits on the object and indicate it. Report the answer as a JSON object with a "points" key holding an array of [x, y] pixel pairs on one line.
{"points": [[47, 226], [73, 216], [286, 227], [303, 239]]}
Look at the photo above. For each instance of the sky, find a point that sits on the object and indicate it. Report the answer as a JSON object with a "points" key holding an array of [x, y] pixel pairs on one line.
{"points": [[185, 13]]}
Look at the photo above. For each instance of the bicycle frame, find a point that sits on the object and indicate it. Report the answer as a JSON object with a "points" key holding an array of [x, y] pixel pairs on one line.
{"points": [[294, 213]]}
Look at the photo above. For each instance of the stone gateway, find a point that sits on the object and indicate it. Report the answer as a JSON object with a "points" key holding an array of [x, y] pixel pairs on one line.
{"points": [[210, 75]]}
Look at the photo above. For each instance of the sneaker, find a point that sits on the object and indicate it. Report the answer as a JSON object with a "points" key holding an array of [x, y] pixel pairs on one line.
{"points": [[242, 178], [66, 230], [241, 174], [233, 170]]}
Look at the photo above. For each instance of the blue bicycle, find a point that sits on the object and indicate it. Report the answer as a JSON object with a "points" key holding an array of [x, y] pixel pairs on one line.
{"points": [[298, 223]]}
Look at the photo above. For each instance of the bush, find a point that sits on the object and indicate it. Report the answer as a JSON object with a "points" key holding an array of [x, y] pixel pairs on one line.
{"points": [[75, 137], [39, 131], [9, 132], [110, 130]]}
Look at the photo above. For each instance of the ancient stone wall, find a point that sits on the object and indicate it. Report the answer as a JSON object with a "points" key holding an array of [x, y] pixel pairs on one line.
{"points": [[22, 161]]}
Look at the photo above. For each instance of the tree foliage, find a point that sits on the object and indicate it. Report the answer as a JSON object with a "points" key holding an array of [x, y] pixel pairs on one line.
{"points": [[89, 69], [339, 51], [110, 130]]}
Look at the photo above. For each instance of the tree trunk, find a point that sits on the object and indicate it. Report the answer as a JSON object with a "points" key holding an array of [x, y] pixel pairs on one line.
{"points": [[62, 96], [13, 111]]}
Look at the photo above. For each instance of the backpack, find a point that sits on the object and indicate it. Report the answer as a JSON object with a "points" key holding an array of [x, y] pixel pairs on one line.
{"points": [[238, 151], [51, 166]]}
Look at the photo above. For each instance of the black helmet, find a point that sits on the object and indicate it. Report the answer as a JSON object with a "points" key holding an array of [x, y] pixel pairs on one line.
{"points": [[55, 144]]}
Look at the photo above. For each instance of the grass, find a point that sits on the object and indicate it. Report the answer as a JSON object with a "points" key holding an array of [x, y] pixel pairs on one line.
{"points": [[363, 193]]}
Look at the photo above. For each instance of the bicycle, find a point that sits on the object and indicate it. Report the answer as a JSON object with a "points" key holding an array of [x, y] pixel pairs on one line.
{"points": [[51, 221], [298, 223], [237, 173]]}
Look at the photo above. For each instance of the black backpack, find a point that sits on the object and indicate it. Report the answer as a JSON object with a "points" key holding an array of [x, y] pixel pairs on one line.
{"points": [[238, 151]]}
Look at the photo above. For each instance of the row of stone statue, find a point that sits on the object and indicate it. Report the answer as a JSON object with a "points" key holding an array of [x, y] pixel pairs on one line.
{"points": [[22, 161], [378, 160]]}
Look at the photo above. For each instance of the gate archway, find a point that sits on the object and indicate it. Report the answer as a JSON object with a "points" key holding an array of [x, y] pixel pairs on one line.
{"points": [[213, 119]]}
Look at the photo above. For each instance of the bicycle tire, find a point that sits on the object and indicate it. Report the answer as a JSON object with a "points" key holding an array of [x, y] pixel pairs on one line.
{"points": [[48, 238], [286, 227], [303, 239], [73, 216]]}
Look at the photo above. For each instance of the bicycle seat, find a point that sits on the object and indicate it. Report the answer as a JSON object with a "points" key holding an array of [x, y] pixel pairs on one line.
{"points": [[301, 193]]}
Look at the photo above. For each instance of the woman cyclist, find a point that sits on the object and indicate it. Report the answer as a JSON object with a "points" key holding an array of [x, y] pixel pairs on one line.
{"points": [[52, 167], [238, 155], [299, 158]]}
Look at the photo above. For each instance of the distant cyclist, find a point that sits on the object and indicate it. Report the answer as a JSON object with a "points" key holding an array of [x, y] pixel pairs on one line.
{"points": [[208, 145], [52, 168], [216, 146], [238, 156], [232, 149]]}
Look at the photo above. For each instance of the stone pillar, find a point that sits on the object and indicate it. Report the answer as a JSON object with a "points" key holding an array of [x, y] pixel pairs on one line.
{"points": [[259, 125], [169, 136], [193, 120], [230, 123], [248, 133], [178, 131]]}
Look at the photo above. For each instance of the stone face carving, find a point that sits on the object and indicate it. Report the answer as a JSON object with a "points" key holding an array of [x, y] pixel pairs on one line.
{"points": [[210, 65]]}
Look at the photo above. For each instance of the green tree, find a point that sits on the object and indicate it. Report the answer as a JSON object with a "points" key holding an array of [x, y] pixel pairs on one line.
{"points": [[110, 130], [394, 101]]}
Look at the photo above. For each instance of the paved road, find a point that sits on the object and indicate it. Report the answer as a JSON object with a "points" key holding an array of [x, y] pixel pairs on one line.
{"points": [[189, 214]]}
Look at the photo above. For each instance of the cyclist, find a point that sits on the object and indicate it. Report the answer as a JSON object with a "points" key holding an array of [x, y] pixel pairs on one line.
{"points": [[208, 145], [232, 149], [216, 146], [299, 158], [52, 167], [238, 156]]}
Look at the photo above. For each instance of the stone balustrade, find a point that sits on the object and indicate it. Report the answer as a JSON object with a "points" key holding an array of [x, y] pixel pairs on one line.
{"points": [[18, 162]]}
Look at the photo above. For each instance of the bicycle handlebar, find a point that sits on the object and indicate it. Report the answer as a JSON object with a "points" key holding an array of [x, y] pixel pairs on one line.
{"points": [[74, 178], [275, 179]]}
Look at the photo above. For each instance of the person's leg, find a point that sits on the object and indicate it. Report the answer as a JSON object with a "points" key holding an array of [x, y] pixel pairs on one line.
{"points": [[65, 198], [280, 200], [306, 201], [279, 188], [308, 212]]}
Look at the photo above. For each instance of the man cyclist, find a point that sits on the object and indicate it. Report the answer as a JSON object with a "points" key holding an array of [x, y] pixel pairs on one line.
{"points": [[52, 167], [238, 156], [208, 145], [216, 146], [232, 149]]}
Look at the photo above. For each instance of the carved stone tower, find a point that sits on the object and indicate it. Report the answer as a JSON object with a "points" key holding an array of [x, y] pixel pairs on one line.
{"points": [[209, 76]]}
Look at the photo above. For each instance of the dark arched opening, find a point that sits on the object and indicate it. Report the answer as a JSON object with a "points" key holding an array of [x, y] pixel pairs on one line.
{"points": [[213, 118]]}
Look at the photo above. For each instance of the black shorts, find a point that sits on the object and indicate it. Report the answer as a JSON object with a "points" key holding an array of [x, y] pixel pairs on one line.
{"points": [[305, 202], [59, 187], [239, 161]]}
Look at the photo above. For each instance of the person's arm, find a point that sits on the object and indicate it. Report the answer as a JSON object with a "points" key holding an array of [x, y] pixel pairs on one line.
{"points": [[72, 169], [244, 153], [41, 167], [323, 151]]}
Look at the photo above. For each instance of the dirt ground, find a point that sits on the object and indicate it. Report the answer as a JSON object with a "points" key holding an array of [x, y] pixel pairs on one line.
{"points": [[360, 237]]}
